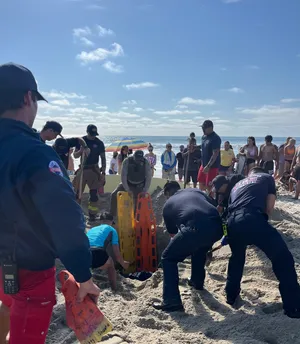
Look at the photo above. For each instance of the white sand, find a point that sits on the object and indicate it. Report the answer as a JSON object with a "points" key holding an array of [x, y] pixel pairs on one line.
{"points": [[257, 319]]}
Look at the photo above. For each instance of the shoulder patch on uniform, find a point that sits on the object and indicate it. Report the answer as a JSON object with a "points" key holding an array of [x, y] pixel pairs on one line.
{"points": [[55, 168]]}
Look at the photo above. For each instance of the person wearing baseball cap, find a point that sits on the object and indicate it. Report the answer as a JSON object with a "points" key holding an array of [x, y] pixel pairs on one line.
{"points": [[136, 178], [93, 176], [34, 187], [50, 131], [211, 145]]}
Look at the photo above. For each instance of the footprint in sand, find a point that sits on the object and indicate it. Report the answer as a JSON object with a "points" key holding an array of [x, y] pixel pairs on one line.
{"points": [[151, 323]]}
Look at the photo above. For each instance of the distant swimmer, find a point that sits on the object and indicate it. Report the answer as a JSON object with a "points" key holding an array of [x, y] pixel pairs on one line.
{"points": [[195, 225], [211, 145], [135, 178], [50, 131], [250, 151], [104, 242], [268, 153], [251, 203]]}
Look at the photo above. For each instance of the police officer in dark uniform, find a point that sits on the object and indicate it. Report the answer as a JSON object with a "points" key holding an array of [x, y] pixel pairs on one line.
{"points": [[195, 225], [251, 202], [136, 178], [93, 176], [40, 219]]}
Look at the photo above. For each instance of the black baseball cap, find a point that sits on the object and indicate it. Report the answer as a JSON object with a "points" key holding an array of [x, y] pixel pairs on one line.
{"points": [[61, 146], [207, 124], [55, 126], [92, 130], [14, 77], [219, 181]]}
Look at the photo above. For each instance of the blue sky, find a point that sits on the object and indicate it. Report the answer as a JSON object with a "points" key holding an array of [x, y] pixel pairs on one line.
{"points": [[159, 67]]}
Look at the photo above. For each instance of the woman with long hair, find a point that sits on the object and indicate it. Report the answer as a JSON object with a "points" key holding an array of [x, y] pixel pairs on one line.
{"points": [[250, 151], [113, 168], [289, 153], [281, 159], [151, 157], [121, 157]]}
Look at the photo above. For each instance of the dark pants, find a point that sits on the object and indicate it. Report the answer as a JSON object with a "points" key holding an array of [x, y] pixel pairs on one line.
{"points": [[252, 228], [113, 197], [188, 241]]}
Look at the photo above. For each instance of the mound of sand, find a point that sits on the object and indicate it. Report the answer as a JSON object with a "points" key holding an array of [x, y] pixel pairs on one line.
{"points": [[257, 318]]}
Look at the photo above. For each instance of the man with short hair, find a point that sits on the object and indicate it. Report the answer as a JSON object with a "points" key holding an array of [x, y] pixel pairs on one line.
{"points": [[195, 225], [62, 148], [268, 153], [211, 144], [180, 162], [136, 178], [34, 189], [168, 161], [50, 131], [251, 203], [93, 176], [192, 161]]}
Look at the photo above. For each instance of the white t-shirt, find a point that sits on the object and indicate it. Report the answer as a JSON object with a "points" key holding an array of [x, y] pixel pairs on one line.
{"points": [[115, 163]]}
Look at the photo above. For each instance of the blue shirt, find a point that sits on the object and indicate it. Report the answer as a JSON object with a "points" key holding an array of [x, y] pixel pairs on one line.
{"points": [[252, 192], [210, 143], [98, 236]]}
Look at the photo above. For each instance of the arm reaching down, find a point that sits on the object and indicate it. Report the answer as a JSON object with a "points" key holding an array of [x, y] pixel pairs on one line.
{"points": [[124, 175], [270, 204], [119, 257]]}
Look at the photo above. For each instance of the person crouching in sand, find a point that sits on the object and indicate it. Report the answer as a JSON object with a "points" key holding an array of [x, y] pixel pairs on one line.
{"points": [[104, 243]]}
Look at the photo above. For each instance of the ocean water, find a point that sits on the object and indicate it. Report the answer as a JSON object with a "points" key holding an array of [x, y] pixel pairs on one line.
{"points": [[159, 144]]}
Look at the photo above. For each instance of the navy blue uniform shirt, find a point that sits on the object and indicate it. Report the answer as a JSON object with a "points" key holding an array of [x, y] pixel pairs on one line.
{"points": [[251, 193], [209, 144], [39, 215], [193, 208]]}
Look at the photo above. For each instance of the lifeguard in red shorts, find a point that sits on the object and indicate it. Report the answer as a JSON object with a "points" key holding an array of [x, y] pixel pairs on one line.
{"points": [[211, 144]]}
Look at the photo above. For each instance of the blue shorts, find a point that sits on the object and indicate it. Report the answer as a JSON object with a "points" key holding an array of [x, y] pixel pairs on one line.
{"points": [[224, 168]]}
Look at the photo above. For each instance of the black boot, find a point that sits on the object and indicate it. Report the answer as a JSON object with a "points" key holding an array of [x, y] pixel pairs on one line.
{"points": [[230, 300], [168, 307], [293, 313], [192, 284]]}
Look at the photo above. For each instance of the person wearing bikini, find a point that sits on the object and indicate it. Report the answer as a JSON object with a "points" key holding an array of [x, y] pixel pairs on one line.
{"points": [[268, 153], [289, 153], [250, 151]]}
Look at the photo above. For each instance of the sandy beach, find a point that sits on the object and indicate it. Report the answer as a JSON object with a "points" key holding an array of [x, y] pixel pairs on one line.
{"points": [[257, 319]]}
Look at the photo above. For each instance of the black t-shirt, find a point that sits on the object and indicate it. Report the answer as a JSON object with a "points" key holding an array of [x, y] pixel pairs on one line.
{"points": [[194, 160], [63, 152], [210, 143], [232, 181], [252, 192], [97, 148], [190, 207], [180, 159]]}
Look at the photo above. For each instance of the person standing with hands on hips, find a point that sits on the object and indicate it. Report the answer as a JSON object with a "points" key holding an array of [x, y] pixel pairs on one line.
{"points": [[211, 144], [35, 188]]}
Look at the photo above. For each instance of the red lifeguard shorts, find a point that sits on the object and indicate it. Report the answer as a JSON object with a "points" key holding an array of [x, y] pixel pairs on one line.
{"points": [[31, 308], [207, 178]]}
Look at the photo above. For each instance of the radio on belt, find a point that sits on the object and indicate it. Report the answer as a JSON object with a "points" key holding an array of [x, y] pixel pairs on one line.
{"points": [[10, 278]]}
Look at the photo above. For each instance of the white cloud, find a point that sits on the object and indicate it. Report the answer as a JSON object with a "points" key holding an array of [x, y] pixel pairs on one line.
{"points": [[100, 54], [192, 101], [176, 112], [94, 7], [235, 90], [130, 102], [62, 95], [290, 100], [102, 31], [253, 67], [61, 102], [231, 1], [274, 110], [102, 107], [138, 109], [82, 32], [86, 42], [113, 67], [145, 84], [181, 106], [223, 69], [124, 108]]}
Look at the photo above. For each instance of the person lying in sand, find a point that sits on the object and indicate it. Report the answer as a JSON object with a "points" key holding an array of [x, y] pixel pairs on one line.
{"points": [[195, 225], [104, 243], [268, 153], [251, 203]]}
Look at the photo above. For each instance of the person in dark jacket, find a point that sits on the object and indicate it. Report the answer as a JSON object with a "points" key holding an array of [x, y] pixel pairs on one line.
{"points": [[40, 219], [50, 131]]}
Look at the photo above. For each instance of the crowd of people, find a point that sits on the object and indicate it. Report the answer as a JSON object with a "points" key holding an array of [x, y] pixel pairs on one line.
{"points": [[41, 218]]}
